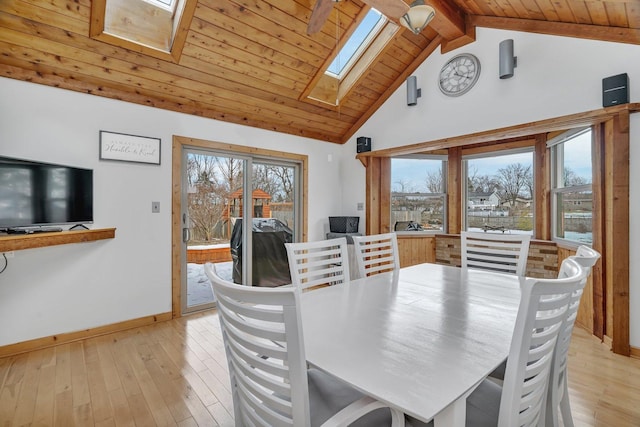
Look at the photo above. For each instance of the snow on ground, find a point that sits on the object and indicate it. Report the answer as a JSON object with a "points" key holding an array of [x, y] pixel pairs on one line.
{"points": [[198, 286]]}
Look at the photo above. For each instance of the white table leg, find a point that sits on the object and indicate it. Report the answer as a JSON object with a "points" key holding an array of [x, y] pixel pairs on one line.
{"points": [[453, 415]]}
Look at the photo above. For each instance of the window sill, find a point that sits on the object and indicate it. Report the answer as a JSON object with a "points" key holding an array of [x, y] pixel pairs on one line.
{"points": [[569, 244], [418, 233]]}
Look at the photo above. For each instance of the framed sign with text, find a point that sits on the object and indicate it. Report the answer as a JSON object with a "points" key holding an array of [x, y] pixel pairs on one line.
{"points": [[129, 148]]}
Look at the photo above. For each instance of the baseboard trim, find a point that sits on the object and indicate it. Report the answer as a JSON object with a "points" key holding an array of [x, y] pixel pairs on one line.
{"points": [[635, 352], [44, 342]]}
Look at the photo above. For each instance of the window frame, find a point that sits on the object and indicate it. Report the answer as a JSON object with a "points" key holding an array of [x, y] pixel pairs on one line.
{"points": [[327, 89], [169, 5], [496, 153], [611, 144], [362, 46], [262, 155], [182, 14], [556, 170], [443, 196]]}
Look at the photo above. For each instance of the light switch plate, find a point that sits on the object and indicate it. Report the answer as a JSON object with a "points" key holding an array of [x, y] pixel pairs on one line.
{"points": [[155, 207]]}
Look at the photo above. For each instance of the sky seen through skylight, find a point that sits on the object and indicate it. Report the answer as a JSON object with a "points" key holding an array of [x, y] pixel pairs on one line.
{"points": [[355, 41]]}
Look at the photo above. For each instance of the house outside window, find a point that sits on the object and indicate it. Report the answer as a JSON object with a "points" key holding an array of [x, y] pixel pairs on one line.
{"points": [[418, 193], [571, 186], [498, 194]]}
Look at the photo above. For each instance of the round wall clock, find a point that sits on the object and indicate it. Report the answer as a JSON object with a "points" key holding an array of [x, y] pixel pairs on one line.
{"points": [[459, 74]]}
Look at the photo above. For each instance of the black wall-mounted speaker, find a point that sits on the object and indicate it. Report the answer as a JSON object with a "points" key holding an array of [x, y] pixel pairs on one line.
{"points": [[615, 90], [363, 144]]}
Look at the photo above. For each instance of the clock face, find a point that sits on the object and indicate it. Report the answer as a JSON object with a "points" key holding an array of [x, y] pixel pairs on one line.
{"points": [[459, 74]]}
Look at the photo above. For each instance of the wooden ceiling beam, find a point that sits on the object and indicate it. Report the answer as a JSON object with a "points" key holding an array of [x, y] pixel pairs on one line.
{"points": [[583, 31], [449, 21], [468, 37]]}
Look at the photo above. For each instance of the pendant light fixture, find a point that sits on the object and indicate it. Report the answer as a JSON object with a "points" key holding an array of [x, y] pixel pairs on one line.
{"points": [[418, 16]]}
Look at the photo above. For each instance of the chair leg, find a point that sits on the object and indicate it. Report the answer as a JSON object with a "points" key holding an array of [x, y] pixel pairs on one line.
{"points": [[552, 415], [397, 418], [565, 406]]}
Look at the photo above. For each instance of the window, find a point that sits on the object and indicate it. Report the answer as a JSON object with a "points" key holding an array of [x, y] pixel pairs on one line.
{"points": [[357, 43], [418, 193], [571, 186], [499, 192], [369, 38], [170, 4], [155, 27]]}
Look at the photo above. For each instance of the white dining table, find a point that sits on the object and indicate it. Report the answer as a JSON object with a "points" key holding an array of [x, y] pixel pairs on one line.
{"points": [[420, 339]]}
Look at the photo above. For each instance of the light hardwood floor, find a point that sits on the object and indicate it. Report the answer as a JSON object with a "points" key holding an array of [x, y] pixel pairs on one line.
{"points": [[174, 373]]}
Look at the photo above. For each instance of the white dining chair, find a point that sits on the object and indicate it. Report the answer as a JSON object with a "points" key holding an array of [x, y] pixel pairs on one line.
{"points": [[376, 253], [558, 396], [270, 383], [324, 262], [521, 399], [495, 252]]}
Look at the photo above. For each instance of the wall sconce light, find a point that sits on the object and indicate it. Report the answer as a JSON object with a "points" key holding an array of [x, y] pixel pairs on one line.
{"points": [[413, 93], [507, 61], [418, 16]]}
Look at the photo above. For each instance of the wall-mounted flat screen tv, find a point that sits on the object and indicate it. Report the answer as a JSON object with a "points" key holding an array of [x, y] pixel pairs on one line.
{"points": [[34, 193]]}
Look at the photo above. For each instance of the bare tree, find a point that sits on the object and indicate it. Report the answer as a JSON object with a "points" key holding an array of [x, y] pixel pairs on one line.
{"points": [[229, 172], [207, 196], [481, 183], [286, 179], [402, 186], [434, 181], [513, 179], [486, 184], [472, 178], [263, 179], [571, 178], [277, 181]]}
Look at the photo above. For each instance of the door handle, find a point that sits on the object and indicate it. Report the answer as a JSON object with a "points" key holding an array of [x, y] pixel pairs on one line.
{"points": [[186, 235]]}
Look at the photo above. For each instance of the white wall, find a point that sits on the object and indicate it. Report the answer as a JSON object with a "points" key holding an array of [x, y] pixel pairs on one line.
{"points": [[555, 76], [67, 288]]}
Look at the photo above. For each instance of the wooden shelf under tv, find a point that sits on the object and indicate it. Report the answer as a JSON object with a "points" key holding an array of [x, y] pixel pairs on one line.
{"points": [[16, 242]]}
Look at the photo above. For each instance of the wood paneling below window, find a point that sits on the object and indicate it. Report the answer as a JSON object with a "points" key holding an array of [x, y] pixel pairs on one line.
{"points": [[416, 249]]}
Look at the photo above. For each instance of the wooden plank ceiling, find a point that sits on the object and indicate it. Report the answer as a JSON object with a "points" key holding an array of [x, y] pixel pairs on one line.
{"points": [[251, 61]]}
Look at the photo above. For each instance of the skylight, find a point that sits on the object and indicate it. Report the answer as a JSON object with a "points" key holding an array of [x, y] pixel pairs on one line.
{"points": [[367, 39], [155, 27], [165, 4], [357, 43]]}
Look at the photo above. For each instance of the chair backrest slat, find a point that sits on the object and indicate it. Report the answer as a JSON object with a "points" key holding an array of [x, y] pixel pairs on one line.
{"points": [[586, 257], [324, 262], [543, 309], [496, 252], [376, 253], [265, 352]]}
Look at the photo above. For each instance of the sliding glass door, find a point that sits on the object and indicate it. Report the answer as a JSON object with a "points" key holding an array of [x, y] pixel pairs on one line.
{"points": [[241, 232]]}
